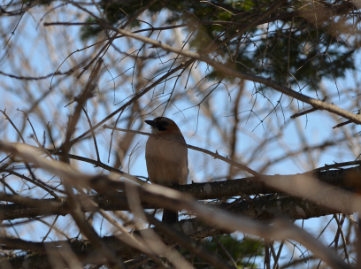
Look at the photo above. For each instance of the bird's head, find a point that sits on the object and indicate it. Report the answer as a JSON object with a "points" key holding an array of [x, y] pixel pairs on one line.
{"points": [[162, 125]]}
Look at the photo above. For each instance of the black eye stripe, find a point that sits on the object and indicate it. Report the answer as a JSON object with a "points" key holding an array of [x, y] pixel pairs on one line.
{"points": [[162, 125]]}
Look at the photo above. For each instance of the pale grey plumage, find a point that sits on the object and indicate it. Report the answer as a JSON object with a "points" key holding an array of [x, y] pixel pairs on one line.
{"points": [[166, 157], [166, 161]]}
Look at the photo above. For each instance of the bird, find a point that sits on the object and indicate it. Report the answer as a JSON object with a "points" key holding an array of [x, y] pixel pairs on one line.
{"points": [[166, 158]]}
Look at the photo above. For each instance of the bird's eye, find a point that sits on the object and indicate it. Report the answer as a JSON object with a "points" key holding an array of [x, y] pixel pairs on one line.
{"points": [[162, 125]]}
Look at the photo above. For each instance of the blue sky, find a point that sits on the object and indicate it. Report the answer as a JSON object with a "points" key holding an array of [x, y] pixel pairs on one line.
{"points": [[44, 50]]}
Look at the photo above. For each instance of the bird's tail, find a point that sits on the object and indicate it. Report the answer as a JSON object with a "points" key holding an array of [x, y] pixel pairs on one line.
{"points": [[170, 216]]}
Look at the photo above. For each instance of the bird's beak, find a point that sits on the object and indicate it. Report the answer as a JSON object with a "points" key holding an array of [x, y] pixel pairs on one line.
{"points": [[151, 123]]}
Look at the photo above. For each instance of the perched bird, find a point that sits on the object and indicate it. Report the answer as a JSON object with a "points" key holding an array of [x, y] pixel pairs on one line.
{"points": [[167, 160]]}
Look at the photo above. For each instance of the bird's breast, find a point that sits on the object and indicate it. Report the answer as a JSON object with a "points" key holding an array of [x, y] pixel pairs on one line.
{"points": [[167, 161]]}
